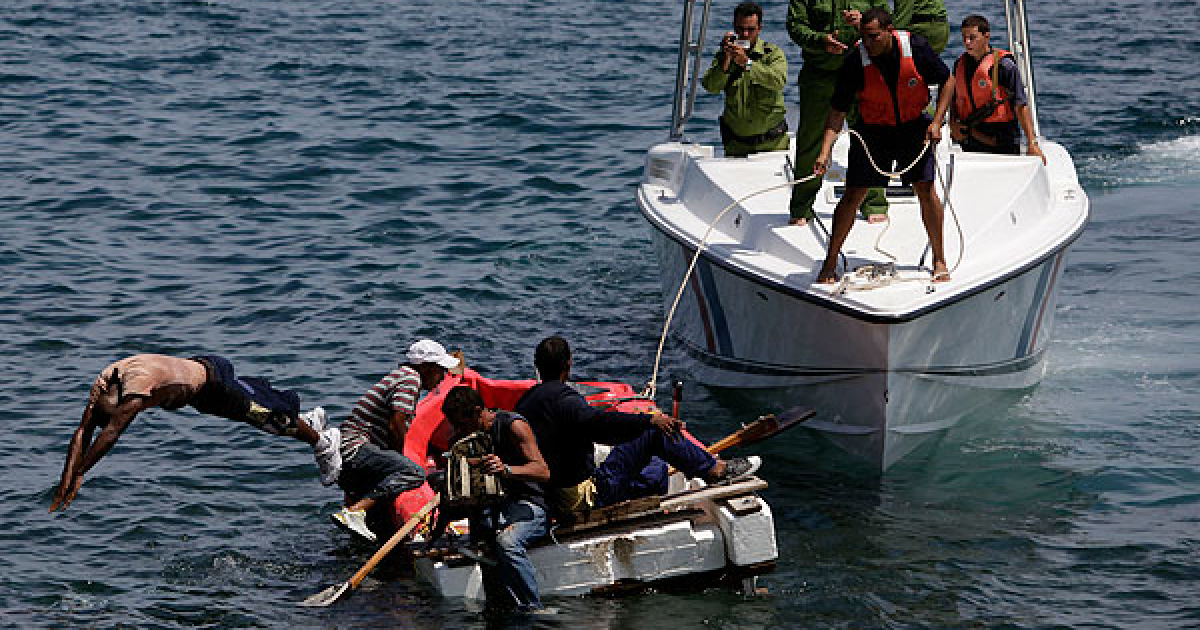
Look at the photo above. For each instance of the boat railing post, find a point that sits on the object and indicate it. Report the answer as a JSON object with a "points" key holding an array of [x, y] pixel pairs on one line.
{"points": [[687, 70], [681, 70], [1018, 44]]}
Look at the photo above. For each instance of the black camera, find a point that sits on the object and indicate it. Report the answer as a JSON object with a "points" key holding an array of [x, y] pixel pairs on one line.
{"points": [[729, 39]]}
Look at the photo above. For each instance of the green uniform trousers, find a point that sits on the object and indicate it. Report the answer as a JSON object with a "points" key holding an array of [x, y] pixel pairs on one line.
{"points": [[816, 90]]}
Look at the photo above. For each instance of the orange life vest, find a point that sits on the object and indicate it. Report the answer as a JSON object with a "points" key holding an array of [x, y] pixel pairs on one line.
{"points": [[876, 103], [982, 88]]}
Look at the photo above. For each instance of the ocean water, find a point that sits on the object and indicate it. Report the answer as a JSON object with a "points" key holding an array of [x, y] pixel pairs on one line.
{"points": [[306, 187]]}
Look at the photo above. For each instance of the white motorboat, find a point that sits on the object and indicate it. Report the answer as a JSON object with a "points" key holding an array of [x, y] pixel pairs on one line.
{"points": [[887, 358]]}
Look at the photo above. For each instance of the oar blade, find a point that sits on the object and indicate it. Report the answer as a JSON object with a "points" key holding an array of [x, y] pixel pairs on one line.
{"points": [[791, 418], [327, 596]]}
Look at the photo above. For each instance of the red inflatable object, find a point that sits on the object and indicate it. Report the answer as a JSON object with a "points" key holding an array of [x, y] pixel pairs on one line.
{"points": [[429, 435]]}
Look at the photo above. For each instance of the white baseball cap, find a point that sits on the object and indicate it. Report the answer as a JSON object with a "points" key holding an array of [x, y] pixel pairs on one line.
{"points": [[430, 351]]}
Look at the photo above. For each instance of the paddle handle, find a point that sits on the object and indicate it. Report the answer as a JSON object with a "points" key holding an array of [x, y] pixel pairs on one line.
{"points": [[765, 427], [394, 540], [736, 438]]}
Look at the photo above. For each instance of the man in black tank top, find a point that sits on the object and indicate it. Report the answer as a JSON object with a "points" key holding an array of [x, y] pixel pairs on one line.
{"points": [[518, 520]]}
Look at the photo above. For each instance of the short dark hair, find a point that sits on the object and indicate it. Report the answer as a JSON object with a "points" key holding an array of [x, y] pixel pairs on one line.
{"points": [[978, 21], [551, 357], [747, 9], [876, 14], [462, 402]]}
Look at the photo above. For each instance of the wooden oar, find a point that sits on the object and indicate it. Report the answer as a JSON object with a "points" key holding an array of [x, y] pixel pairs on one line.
{"points": [[331, 594], [763, 428]]}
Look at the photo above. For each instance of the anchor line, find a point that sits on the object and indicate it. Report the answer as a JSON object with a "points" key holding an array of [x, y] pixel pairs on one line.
{"points": [[652, 386]]}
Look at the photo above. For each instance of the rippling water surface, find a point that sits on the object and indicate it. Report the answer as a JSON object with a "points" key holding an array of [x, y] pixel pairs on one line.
{"points": [[305, 187]]}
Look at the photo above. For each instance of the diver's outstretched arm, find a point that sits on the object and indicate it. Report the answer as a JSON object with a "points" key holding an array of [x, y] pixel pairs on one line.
{"points": [[79, 460]]}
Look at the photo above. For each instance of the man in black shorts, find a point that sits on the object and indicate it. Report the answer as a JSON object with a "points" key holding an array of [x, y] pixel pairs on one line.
{"points": [[888, 74]]}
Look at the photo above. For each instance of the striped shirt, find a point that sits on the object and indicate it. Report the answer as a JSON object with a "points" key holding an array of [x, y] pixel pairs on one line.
{"points": [[372, 416]]}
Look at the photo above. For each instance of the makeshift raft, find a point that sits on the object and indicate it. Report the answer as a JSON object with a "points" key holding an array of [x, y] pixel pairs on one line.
{"points": [[697, 534]]}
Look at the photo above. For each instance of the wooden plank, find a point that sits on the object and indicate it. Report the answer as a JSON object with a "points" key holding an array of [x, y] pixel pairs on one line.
{"points": [[711, 493]]}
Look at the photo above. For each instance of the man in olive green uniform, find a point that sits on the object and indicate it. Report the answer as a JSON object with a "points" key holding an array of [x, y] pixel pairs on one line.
{"points": [[926, 18], [821, 28], [752, 73]]}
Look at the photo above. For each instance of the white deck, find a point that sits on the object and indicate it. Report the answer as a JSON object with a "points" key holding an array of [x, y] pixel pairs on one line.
{"points": [[1012, 211]]}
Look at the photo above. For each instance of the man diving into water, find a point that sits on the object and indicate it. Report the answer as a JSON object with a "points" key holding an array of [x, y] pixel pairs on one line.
{"points": [[207, 383]]}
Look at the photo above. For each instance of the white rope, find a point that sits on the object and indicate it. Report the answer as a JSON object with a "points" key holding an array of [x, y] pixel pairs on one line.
{"points": [[946, 182], [897, 174], [652, 386], [870, 158]]}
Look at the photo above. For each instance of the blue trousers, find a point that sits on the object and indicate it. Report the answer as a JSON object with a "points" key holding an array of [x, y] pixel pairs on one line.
{"points": [[376, 473], [231, 396], [638, 468], [512, 526]]}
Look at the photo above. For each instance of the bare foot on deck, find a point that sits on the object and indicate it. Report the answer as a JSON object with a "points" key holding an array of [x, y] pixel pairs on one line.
{"points": [[798, 222], [827, 276], [877, 218], [940, 273]]}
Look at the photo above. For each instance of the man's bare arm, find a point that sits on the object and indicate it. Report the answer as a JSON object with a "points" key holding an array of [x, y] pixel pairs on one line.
{"points": [[833, 126], [119, 419], [1026, 119], [398, 429], [534, 468]]}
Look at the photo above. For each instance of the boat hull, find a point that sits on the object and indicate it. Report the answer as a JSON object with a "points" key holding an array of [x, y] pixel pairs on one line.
{"points": [[881, 388]]}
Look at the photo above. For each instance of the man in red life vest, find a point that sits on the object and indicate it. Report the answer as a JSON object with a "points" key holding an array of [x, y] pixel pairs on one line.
{"points": [[988, 96], [888, 74]]}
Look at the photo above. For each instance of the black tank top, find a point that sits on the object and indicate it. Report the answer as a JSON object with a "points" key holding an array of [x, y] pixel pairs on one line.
{"points": [[509, 452]]}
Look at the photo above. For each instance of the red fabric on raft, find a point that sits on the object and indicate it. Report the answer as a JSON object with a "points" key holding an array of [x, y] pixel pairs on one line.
{"points": [[428, 436]]}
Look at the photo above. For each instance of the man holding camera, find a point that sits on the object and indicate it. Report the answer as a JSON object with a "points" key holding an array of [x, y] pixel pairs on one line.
{"points": [[752, 74]]}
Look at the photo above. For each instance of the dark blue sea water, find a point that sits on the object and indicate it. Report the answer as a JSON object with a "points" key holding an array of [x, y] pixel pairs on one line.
{"points": [[305, 187]]}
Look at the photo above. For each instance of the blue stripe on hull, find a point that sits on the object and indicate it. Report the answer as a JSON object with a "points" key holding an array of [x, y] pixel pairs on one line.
{"points": [[731, 364], [719, 325], [1033, 319]]}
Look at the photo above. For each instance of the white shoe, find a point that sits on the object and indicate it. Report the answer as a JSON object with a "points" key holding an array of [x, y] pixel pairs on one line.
{"points": [[328, 451], [354, 521], [315, 419]]}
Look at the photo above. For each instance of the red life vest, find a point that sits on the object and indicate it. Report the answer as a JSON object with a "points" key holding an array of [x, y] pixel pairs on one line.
{"points": [[969, 97], [876, 103]]}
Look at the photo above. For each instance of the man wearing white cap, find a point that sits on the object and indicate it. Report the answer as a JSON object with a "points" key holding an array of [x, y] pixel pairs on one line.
{"points": [[373, 466]]}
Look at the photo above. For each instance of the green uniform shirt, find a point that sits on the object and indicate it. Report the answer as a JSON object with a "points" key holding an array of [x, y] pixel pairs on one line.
{"points": [[926, 18], [922, 9], [809, 21], [753, 98]]}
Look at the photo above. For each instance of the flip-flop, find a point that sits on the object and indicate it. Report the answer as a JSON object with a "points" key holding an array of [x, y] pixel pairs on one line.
{"points": [[941, 276]]}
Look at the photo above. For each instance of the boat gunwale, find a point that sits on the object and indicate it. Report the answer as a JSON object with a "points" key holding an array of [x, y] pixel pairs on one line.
{"points": [[808, 295]]}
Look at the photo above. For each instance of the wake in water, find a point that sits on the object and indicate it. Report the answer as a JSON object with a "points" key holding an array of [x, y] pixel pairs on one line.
{"points": [[1175, 160]]}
